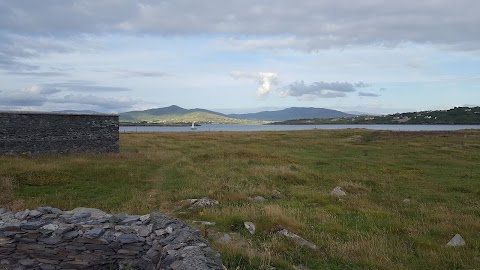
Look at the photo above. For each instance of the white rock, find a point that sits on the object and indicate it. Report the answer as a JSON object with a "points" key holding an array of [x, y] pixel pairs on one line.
{"points": [[50, 227], [145, 218], [456, 241], [297, 239], [257, 199], [225, 239], [249, 226], [337, 191], [406, 200], [169, 230]]}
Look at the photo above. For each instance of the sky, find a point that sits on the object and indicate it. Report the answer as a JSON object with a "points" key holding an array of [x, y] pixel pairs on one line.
{"points": [[239, 56]]}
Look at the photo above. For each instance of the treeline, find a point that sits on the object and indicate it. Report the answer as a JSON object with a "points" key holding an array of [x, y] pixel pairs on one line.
{"points": [[455, 116]]}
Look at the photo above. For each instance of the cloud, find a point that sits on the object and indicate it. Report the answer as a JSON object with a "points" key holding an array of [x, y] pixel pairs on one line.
{"points": [[320, 89], [105, 103], [84, 86], [50, 94], [146, 73], [29, 96], [267, 80], [16, 51], [368, 94], [304, 25]]}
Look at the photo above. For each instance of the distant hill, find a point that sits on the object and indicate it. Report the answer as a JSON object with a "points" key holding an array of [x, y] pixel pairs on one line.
{"points": [[292, 114], [160, 112], [78, 111], [457, 115], [176, 114]]}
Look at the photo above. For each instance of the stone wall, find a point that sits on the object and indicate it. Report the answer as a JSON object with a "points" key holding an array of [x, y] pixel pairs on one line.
{"points": [[86, 238], [41, 133]]}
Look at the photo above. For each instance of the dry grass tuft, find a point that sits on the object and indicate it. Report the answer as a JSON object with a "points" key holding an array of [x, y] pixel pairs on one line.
{"points": [[8, 187]]}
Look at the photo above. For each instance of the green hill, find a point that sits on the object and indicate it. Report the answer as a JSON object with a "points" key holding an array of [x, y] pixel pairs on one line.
{"points": [[178, 115], [457, 115]]}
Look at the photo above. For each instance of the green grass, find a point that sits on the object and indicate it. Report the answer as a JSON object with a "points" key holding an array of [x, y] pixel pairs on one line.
{"points": [[371, 228]]}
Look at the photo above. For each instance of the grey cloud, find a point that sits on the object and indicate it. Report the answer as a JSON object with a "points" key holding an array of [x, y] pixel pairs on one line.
{"points": [[40, 95], [320, 89], [146, 73], [84, 86], [106, 103], [30, 96], [368, 94], [361, 85], [15, 50], [306, 25], [39, 73]]}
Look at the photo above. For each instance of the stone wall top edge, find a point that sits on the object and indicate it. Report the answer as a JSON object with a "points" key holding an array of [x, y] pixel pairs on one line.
{"points": [[56, 113]]}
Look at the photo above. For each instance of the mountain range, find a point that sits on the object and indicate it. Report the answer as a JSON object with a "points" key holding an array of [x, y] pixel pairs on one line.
{"points": [[176, 114]]}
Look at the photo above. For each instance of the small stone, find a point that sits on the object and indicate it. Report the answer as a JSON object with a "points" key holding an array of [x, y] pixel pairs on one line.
{"points": [[64, 228], [3, 210], [128, 238], [145, 230], [406, 200], [27, 262], [202, 203], [337, 191], [4, 262], [456, 241], [128, 220], [71, 235], [35, 213], [258, 199], [204, 223], [94, 233], [153, 255], [50, 227], [22, 214], [117, 218], [50, 210], [52, 240], [250, 227], [160, 232], [169, 230], [225, 239], [33, 225], [145, 218], [297, 239]]}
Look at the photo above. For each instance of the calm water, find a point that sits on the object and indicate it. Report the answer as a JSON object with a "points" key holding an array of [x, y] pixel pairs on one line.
{"points": [[208, 127]]}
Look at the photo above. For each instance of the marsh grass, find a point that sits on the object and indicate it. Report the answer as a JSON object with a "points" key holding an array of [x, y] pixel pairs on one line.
{"points": [[370, 228]]}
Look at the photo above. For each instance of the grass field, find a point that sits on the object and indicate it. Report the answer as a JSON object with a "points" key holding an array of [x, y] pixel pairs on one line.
{"points": [[370, 228]]}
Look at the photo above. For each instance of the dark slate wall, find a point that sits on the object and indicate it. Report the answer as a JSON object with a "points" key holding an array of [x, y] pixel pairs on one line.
{"points": [[42, 133]]}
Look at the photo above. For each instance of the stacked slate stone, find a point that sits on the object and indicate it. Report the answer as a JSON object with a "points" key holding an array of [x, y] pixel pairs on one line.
{"points": [[86, 238]]}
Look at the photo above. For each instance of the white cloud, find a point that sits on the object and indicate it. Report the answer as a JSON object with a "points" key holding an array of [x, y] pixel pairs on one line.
{"points": [[267, 80]]}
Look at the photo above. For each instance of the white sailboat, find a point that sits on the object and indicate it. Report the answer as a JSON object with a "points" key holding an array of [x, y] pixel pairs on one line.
{"points": [[193, 126]]}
